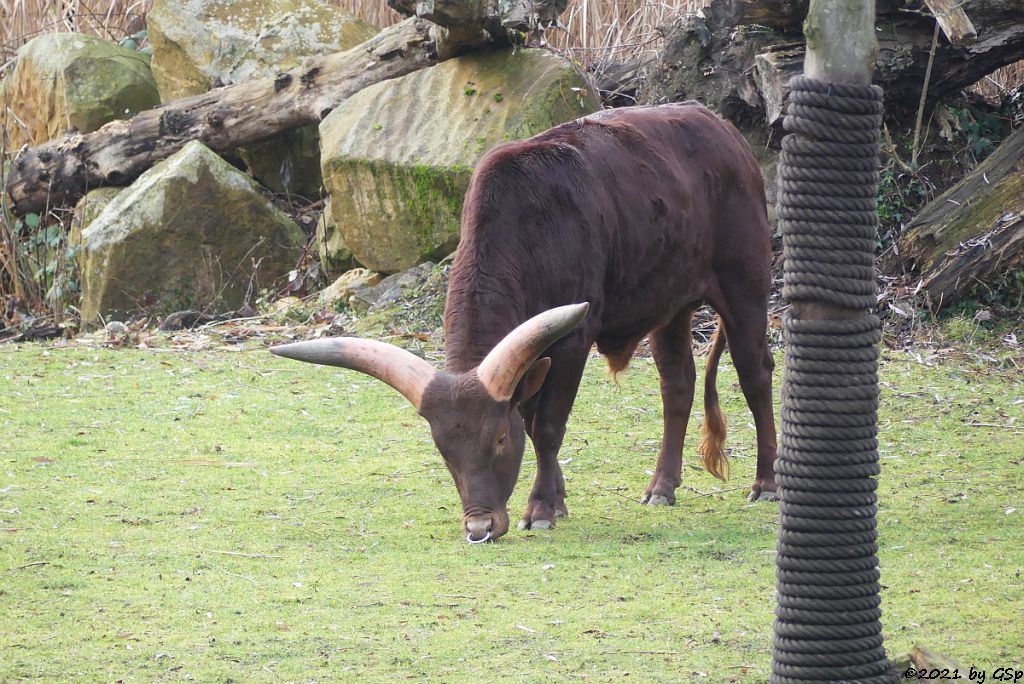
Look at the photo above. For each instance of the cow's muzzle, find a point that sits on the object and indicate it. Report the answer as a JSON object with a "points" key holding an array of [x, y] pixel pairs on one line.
{"points": [[478, 530], [485, 538], [483, 528]]}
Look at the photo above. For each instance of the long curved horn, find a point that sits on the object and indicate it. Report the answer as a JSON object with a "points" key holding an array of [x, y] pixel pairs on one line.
{"points": [[504, 366], [403, 370]]}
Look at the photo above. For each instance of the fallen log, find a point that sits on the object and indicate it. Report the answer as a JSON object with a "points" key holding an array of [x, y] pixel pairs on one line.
{"points": [[738, 55], [58, 172], [905, 40], [953, 21], [970, 235]]}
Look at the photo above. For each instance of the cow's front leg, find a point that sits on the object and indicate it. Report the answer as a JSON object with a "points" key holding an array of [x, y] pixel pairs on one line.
{"points": [[545, 423], [673, 353]]}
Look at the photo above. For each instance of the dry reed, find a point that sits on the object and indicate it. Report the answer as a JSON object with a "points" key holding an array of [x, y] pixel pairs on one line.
{"points": [[1001, 81], [595, 32]]}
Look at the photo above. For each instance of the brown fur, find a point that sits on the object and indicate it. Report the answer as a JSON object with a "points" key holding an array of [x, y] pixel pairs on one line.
{"points": [[646, 213], [618, 361], [643, 212]]}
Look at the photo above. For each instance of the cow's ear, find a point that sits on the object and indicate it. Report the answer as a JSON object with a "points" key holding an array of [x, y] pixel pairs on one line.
{"points": [[532, 380]]}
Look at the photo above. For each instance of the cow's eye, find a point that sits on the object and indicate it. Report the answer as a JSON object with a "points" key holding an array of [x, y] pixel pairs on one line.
{"points": [[501, 441]]}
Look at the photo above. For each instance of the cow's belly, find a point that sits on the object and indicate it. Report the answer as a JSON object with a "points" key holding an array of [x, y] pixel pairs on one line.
{"points": [[630, 319]]}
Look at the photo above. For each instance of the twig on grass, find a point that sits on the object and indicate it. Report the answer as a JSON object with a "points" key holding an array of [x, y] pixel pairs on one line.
{"points": [[995, 425], [674, 653], [247, 579], [244, 555], [627, 497], [30, 565], [697, 493]]}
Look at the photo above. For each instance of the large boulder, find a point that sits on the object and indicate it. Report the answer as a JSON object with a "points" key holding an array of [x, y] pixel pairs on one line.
{"points": [[65, 81], [335, 256], [397, 156], [87, 210], [202, 44], [193, 232]]}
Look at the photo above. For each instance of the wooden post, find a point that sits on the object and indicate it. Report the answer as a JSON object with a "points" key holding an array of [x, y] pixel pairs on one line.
{"points": [[950, 16], [841, 45], [841, 48], [828, 611]]}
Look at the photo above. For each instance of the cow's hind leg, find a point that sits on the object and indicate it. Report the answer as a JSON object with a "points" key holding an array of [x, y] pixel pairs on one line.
{"points": [[746, 319], [545, 423], [672, 348]]}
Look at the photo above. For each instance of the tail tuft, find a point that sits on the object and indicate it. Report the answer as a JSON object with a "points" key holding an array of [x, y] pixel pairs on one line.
{"points": [[712, 439], [618, 361]]}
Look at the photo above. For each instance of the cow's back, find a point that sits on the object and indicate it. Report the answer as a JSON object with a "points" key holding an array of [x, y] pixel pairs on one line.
{"points": [[637, 210]]}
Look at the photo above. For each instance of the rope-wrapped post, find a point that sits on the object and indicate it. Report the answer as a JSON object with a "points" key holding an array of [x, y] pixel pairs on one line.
{"points": [[828, 626]]}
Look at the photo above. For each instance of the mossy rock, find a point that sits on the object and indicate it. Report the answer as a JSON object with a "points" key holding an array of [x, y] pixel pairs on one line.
{"points": [[88, 208], [393, 216], [335, 255], [201, 44], [397, 156], [193, 232], [5, 172], [70, 81]]}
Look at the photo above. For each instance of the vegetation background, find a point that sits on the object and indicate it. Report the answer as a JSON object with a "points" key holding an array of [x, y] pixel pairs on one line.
{"points": [[596, 31], [37, 267], [227, 516]]}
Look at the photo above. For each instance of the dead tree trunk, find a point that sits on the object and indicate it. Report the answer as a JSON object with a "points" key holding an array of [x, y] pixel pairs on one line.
{"points": [[58, 172], [740, 55], [971, 234]]}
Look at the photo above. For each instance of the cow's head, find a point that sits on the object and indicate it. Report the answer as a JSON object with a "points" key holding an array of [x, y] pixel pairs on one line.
{"points": [[474, 416]]}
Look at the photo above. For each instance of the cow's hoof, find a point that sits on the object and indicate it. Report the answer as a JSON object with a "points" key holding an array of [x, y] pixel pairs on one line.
{"points": [[661, 491], [536, 525], [541, 514], [658, 500], [761, 493]]}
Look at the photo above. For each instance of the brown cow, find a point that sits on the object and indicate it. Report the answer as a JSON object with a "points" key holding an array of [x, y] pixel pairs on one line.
{"points": [[646, 213]]}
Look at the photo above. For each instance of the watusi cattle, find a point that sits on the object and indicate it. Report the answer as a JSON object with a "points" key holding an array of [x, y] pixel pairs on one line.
{"points": [[603, 230]]}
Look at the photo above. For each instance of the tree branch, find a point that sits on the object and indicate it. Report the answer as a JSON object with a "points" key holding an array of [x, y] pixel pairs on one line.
{"points": [[60, 171]]}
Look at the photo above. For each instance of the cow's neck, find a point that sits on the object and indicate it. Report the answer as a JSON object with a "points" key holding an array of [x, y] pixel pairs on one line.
{"points": [[477, 317]]}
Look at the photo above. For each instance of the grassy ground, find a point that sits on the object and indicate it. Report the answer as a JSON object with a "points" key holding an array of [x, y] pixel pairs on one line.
{"points": [[225, 516]]}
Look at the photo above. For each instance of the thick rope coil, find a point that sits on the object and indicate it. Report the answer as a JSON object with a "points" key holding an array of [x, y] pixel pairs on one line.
{"points": [[828, 613], [829, 646], [828, 592], [803, 579], [794, 630]]}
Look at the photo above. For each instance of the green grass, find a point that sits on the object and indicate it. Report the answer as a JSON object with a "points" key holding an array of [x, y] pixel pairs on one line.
{"points": [[229, 516]]}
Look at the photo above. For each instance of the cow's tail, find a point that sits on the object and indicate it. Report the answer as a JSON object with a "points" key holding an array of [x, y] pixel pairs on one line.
{"points": [[712, 432]]}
